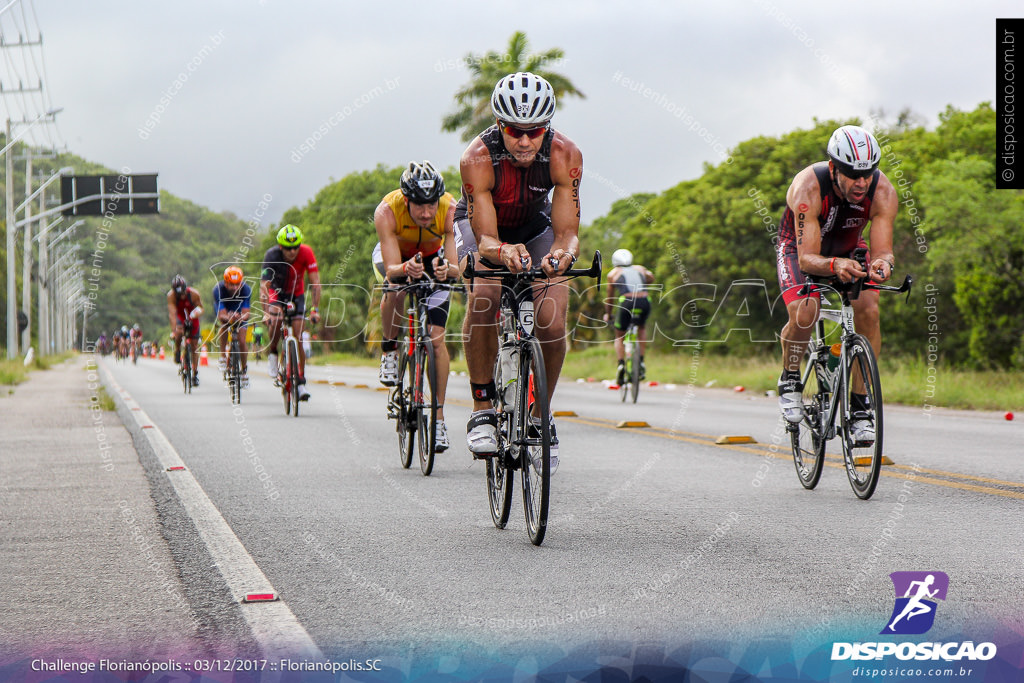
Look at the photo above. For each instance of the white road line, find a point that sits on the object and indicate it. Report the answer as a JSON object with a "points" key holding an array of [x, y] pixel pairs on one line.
{"points": [[273, 624]]}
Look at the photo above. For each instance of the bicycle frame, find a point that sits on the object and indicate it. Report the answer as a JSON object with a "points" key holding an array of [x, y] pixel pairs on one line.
{"points": [[514, 428]]}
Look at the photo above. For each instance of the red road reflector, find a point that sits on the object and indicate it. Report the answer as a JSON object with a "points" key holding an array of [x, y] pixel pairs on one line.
{"points": [[175, 468], [147, 426], [260, 597], [614, 387]]}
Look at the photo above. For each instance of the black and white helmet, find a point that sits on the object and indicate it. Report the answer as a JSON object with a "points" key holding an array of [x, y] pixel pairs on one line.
{"points": [[854, 151], [421, 183], [523, 99]]}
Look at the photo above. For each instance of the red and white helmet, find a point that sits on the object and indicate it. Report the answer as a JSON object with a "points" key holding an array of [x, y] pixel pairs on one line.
{"points": [[523, 99], [854, 151]]}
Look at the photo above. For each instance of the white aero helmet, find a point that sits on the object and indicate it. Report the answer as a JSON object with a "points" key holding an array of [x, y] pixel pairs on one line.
{"points": [[523, 99], [854, 151], [622, 257]]}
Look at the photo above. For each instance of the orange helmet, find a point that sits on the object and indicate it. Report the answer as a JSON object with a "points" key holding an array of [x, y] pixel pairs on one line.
{"points": [[233, 275]]}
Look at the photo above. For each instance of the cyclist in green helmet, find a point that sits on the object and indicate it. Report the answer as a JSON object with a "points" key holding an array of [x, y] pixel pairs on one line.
{"points": [[285, 267]]}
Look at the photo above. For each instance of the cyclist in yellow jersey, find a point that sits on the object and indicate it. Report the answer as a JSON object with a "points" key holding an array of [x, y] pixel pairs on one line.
{"points": [[415, 227]]}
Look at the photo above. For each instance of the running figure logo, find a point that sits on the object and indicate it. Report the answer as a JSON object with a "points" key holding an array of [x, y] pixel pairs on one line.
{"points": [[914, 612]]}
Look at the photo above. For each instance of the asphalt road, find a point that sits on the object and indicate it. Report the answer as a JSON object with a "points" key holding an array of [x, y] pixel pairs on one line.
{"points": [[657, 536]]}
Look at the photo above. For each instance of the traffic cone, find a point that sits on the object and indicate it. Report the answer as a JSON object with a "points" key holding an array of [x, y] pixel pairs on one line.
{"points": [[162, 356], [204, 358]]}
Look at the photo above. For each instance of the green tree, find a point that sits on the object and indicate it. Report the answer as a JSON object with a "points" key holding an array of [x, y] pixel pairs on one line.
{"points": [[473, 101]]}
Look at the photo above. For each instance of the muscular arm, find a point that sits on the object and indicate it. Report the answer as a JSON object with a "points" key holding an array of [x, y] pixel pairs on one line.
{"points": [[883, 214], [314, 287], [387, 233], [172, 309], [566, 174], [804, 200], [477, 184], [610, 294], [450, 251]]}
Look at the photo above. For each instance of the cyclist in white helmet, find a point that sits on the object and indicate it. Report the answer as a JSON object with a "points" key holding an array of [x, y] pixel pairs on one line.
{"points": [[627, 301], [828, 205], [507, 218]]}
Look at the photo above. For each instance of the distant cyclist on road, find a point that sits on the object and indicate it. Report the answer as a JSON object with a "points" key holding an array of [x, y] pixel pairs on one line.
{"points": [[232, 299], [415, 228], [135, 339], [184, 301], [283, 282], [627, 301], [505, 214], [828, 205]]}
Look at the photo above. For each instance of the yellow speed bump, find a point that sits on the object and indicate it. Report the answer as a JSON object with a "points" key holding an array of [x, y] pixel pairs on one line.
{"points": [[362, 386], [722, 440], [564, 413], [627, 424], [382, 389], [865, 461]]}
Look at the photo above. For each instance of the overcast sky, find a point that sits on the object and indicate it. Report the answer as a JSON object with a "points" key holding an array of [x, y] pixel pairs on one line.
{"points": [[262, 76]]}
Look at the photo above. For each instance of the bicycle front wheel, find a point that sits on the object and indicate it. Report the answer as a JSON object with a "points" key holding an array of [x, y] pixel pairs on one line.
{"points": [[862, 449], [808, 437], [533, 429], [499, 469], [426, 406], [293, 374], [235, 372], [406, 413], [186, 367]]}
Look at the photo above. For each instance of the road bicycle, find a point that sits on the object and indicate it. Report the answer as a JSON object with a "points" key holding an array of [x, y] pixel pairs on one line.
{"points": [[521, 403], [186, 370], [829, 375], [412, 402], [233, 372], [630, 386], [288, 368]]}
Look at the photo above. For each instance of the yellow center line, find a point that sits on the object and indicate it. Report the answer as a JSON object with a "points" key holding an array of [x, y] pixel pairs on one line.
{"points": [[832, 460]]}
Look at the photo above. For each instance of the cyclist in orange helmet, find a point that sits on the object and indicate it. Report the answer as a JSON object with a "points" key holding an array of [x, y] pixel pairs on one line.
{"points": [[232, 298]]}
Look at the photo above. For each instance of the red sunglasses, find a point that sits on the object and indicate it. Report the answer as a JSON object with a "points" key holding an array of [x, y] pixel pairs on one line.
{"points": [[512, 131]]}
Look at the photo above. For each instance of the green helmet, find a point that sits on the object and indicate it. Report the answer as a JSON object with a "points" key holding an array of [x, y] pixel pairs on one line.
{"points": [[289, 236]]}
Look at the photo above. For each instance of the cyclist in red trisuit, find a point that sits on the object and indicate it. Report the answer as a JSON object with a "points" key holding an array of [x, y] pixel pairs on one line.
{"points": [[283, 282], [505, 215], [184, 301], [828, 205]]}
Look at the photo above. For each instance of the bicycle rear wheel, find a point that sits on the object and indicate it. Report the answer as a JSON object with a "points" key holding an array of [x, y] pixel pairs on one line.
{"points": [[634, 373], [808, 437], [536, 465], [404, 403], [627, 372], [293, 374], [863, 458], [426, 418]]}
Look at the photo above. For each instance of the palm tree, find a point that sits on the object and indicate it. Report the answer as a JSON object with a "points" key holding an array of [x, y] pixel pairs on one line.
{"points": [[473, 100]]}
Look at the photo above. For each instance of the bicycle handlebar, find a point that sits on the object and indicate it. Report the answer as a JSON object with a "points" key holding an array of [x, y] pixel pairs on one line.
{"points": [[535, 273], [833, 284]]}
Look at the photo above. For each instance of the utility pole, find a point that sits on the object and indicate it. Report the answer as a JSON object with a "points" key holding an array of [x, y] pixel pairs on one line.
{"points": [[12, 296], [26, 257]]}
